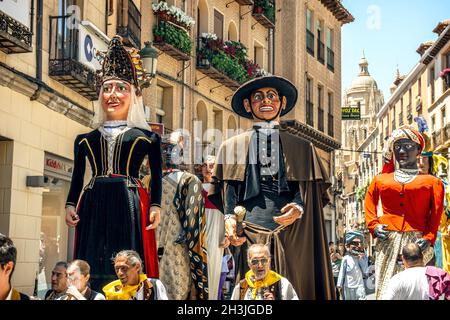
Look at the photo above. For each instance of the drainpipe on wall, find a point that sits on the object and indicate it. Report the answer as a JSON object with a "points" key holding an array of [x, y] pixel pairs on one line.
{"points": [[39, 16], [183, 79]]}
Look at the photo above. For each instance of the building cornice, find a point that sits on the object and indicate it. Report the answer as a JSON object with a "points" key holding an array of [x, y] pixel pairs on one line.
{"points": [[338, 10], [42, 93], [431, 53], [307, 132]]}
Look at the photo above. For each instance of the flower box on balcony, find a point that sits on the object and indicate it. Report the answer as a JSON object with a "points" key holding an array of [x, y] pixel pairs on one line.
{"points": [[172, 14], [264, 13], [172, 40], [228, 59], [445, 74]]}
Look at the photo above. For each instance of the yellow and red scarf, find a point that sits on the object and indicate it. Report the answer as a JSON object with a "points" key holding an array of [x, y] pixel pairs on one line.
{"points": [[271, 278], [117, 291]]}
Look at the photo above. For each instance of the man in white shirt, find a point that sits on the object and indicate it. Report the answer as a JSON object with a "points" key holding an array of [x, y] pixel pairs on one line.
{"points": [[261, 283], [412, 283]]}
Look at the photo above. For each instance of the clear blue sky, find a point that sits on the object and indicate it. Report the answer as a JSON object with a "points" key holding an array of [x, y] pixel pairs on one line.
{"points": [[389, 31]]}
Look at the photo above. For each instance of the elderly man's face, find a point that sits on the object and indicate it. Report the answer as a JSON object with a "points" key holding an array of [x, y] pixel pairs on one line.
{"points": [[265, 104], [259, 262], [59, 279], [75, 278], [126, 273]]}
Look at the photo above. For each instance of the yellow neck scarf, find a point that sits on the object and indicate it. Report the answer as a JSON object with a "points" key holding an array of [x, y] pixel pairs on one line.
{"points": [[116, 291], [271, 278]]}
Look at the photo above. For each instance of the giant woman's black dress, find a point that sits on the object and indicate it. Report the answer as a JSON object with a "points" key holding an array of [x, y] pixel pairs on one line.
{"points": [[113, 207]]}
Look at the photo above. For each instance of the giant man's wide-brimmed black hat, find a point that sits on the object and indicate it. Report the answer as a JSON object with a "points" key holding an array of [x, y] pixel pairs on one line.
{"points": [[284, 87]]}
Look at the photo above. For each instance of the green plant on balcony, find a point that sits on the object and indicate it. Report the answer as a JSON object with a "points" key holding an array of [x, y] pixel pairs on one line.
{"points": [[170, 34], [229, 66], [236, 50], [229, 57], [266, 8], [172, 14]]}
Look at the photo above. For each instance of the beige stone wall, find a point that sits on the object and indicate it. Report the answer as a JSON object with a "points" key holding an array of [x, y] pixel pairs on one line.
{"points": [[33, 129]]}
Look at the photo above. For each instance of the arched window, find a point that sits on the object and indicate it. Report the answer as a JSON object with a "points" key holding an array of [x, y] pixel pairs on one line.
{"points": [[232, 32], [202, 17]]}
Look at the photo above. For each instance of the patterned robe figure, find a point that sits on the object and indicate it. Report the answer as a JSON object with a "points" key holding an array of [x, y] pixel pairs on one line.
{"points": [[181, 237]]}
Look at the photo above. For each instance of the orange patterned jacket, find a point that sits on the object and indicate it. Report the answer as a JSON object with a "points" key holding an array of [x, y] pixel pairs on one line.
{"points": [[414, 206]]}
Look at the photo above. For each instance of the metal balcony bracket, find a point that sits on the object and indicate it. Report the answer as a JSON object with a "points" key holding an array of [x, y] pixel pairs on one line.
{"points": [[227, 98], [212, 89], [198, 80], [228, 4], [242, 16], [253, 25], [187, 66]]}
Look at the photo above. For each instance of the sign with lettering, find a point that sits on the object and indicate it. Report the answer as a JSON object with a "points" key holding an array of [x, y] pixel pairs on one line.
{"points": [[57, 165], [157, 127], [90, 40], [351, 113]]}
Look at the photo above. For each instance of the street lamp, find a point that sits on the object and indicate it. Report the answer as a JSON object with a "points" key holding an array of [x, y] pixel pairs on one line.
{"points": [[149, 56]]}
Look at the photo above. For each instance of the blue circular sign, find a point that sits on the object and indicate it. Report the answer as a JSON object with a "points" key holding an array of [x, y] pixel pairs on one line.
{"points": [[88, 48]]}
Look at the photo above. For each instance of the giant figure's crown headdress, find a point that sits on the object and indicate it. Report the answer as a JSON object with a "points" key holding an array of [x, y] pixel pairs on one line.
{"points": [[124, 63]]}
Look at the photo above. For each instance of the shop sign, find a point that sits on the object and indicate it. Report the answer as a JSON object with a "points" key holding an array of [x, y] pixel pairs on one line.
{"points": [[58, 165], [351, 113], [91, 40], [157, 127]]}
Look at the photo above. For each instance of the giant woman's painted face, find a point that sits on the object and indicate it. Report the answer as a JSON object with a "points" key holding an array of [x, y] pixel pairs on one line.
{"points": [[406, 152], [115, 99], [265, 104]]}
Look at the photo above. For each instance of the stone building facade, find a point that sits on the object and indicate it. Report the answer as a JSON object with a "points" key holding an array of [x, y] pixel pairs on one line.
{"points": [[48, 94]]}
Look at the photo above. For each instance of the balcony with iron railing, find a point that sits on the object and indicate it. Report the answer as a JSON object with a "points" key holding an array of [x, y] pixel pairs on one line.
{"points": [[129, 23], [226, 62], [171, 32], [330, 59], [14, 36], [310, 42], [264, 13], [64, 64], [320, 51], [309, 113]]}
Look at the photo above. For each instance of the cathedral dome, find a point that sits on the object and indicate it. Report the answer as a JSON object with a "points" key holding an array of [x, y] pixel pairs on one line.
{"points": [[364, 79]]}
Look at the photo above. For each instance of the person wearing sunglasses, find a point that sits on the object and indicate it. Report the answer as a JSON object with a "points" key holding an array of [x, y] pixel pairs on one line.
{"points": [[260, 282], [269, 171], [350, 282]]}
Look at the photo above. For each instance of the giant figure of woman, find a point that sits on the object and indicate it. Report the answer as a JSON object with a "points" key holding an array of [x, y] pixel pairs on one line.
{"points": [[113, 212], [402, 205]]}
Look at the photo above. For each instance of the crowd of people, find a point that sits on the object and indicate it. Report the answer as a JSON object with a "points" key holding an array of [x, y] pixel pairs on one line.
{"points": [[254, 217]]}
